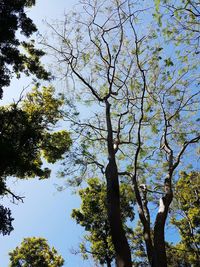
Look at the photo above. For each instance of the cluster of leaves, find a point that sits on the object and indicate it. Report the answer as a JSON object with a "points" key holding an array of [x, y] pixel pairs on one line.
{"points": [[180, 20], [92, 215], [5, 221], [187, 217], [13, 19], [26, 137], [35, 252]]}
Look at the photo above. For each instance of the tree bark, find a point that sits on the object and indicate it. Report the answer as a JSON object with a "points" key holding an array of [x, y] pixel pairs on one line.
{"points": [[123, 255], [159, 255], [108, 263], [121, 246]]}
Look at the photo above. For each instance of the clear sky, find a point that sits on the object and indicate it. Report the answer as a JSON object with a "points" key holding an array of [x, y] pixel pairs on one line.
{"points": [[45, 212]]}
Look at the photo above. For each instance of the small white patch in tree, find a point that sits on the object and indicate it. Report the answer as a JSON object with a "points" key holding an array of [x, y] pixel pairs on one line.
{"points": [[161, 206], [143, 187], [146, 236], [115, 146], [139, 210]]}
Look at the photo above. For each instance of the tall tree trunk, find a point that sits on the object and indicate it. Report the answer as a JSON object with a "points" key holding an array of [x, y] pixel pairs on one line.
{"points": [[159, 256], [121, 246], [123, 255]]}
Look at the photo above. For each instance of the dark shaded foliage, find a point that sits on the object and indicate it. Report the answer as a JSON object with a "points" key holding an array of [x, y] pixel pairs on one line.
{"points": [[5, 221], [13, 21]]}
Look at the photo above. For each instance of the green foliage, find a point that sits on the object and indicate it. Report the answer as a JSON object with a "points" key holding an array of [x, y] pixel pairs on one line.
{"points": [[5, 221], [25, 135], [55, 145], [14, 20], [177, 257], [92, 215], [138, 247], [180, 20], [35, 252], [187, 195], [26, 138], [45, 104]]}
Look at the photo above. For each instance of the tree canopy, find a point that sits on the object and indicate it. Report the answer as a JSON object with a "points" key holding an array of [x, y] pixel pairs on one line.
{"points": [[181, 22], [14, 60], [26, 134], [187, 218], [35, 252], [144, 104], [27, 138], [5, 220]]}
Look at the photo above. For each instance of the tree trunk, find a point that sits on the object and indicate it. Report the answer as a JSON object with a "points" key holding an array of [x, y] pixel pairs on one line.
{"points": [[121, 246], [159, 255], [109, 264], [123, 254]]}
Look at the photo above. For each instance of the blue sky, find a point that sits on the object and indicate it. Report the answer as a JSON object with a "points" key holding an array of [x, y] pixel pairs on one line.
{"points": [[45, 212]]}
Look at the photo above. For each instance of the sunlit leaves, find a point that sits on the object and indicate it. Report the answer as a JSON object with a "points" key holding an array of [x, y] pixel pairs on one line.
{"points": [[180, 21], [44, 103], [187, 219], [55, 145], [26, 134], [35, 252]]}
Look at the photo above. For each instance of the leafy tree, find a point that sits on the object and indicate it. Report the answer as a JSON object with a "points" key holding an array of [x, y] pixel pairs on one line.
{"points": [[138, 249], [187, 219], [93, 217], [35, 252], [14, 19], [143, 114], [27, 136]]}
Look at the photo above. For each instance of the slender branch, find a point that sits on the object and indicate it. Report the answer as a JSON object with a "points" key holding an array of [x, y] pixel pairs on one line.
{"points": [[185, 145], [14, 197]]}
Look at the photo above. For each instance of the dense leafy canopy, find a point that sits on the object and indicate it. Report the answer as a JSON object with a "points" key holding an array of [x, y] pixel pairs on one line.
{"points": [[27, 137], [14, 22], [35, 252]]}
